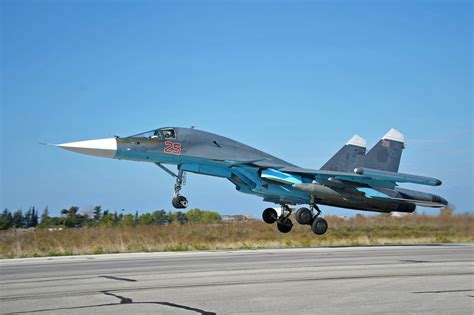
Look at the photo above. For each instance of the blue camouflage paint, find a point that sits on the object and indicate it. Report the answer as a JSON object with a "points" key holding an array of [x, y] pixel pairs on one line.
{"points": [[258, 173], [278, 176]]}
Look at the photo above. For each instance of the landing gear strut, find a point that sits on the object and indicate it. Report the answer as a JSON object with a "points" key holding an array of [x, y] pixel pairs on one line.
{"points": [[318, 225], [179, 202], [306, 216]]}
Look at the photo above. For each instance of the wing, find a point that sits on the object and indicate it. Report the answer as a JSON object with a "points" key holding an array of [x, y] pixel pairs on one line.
{"points": [[274, 181], [272, 185], [364, 176]]}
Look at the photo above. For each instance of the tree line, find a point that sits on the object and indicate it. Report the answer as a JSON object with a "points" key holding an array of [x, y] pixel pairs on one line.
{"points": [[73, 218]]}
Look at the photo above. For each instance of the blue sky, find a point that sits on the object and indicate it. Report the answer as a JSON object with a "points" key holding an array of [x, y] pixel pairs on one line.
{"points": [[295, 79]]}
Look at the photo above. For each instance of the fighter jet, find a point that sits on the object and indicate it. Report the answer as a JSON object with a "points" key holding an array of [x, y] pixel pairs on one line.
{"points": [[352, 178]]}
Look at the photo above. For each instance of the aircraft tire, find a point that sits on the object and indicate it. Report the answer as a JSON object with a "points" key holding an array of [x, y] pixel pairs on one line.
{"points": [[173, 202], [319, 226], [285, 227], [180, 202], [269, 215], [304, 216]]}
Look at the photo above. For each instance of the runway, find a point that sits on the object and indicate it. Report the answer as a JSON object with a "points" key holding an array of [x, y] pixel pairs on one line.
{"points": [[435, 279]]}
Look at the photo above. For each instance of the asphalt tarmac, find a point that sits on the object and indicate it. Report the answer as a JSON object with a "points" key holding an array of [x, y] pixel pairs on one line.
{"points": [[435, 279]]}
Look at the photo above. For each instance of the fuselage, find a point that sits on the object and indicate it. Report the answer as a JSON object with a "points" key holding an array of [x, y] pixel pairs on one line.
{"points": [[209, 154], [250, 170], [188, 145]]}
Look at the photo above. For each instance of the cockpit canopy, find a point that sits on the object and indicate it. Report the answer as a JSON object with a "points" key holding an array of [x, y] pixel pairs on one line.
{"points": [[162, 133]]}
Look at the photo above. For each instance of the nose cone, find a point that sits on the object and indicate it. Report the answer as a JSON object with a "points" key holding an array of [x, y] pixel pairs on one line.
{"points": [[98, 147]]}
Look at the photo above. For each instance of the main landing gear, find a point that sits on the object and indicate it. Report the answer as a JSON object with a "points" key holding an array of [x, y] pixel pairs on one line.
{"points": [[283, 221], [303, 216]]}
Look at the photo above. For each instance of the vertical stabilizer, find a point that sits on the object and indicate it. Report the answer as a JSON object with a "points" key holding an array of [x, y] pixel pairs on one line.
{"points": [[386, 154], [348, 157]]}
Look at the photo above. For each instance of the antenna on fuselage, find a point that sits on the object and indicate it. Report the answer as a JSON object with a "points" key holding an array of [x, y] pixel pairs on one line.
{"points": [[192, 127]]}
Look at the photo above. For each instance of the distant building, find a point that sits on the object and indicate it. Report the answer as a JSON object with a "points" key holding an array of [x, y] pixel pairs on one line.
{"points": [[399, 214], [235, 218]]}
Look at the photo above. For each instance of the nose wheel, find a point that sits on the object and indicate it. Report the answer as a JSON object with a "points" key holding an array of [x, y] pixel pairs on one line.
{"points": [[179, 202]]}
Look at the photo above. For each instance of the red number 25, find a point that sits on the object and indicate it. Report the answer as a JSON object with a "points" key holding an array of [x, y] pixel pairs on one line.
{"points": [[172, 148]]}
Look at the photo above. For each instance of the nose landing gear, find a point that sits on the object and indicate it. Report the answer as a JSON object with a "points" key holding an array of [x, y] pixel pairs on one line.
{"points": [[178, 201]]}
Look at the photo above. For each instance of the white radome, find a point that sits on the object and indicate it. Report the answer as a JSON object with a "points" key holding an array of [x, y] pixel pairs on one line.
{"points": [[98, 147]]}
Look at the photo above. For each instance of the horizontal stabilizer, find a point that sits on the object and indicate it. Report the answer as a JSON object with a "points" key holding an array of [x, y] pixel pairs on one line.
{"points": [[421, 203], [404, 196], [396, 177], [364, 176]]}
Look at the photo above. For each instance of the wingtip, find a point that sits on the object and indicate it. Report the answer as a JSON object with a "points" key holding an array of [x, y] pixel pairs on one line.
{"points": [[394, 135], [357, 141]]}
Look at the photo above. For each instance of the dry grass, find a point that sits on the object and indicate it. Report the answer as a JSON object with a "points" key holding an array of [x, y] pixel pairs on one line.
{"points": [[413, 229]]}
